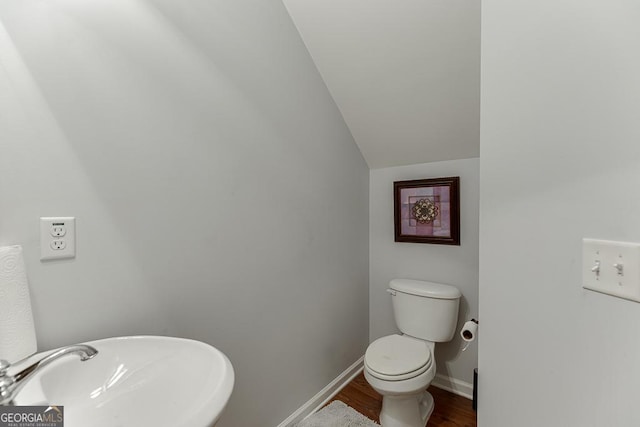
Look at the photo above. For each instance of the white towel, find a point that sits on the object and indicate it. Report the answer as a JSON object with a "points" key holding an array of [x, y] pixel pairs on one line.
{"points": [[17, 331]]}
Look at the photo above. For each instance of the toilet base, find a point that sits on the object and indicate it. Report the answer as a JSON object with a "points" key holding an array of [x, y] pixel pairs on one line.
{"points": [[406, 410]]}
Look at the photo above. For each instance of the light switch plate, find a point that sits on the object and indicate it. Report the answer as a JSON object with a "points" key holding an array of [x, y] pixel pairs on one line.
{"points": [[611, 268], [57, 237]]}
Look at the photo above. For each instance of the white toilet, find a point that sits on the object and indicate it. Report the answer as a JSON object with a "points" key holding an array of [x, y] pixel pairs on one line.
{"points": [[401, 367]]}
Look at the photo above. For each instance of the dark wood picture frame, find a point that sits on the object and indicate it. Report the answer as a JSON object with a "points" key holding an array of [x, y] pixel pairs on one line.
{"points": [[418, 222]]}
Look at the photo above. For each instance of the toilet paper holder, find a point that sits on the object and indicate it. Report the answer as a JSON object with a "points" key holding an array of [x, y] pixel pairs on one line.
{"points": [[468, 331]]}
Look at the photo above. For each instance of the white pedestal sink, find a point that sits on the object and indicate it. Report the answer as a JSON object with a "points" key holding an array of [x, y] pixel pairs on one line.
{"points": [[137, 382]]}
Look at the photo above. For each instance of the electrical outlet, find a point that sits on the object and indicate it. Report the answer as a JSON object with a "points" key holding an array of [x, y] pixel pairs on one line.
{"points": [[58, 230], [58, 245], [57, 237]]}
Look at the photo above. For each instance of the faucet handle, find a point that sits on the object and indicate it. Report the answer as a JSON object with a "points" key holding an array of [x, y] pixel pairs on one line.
{"points": [[5, 382], [4, 366]]}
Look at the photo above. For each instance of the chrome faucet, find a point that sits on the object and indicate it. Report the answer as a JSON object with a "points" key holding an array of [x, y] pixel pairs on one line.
{"points": [[10, 385]]}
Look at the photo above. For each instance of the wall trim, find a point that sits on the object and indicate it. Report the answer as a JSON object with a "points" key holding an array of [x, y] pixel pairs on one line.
{"points": [[455, 386], [323, 396]]}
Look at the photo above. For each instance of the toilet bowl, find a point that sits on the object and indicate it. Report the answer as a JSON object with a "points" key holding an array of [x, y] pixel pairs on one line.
{"points": [[401, 366]]}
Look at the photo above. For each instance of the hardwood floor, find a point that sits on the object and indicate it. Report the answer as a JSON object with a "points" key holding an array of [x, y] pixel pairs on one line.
{"points": [[450, 410]]}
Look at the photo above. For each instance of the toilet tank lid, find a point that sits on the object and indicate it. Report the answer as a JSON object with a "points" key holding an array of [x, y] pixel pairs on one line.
{"points": [[425, 289]]}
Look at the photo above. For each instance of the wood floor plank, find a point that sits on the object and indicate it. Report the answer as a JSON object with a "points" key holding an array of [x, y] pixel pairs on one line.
{"points": [[450, 410]]}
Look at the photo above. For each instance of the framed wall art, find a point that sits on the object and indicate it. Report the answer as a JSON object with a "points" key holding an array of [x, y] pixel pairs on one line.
{"points": [[427, 211]]}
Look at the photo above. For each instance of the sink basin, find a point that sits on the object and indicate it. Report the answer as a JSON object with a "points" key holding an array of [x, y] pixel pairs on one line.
{"points": [[136, 381]]}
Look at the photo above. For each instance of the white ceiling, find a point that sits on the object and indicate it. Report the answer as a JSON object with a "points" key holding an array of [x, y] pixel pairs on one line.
{"points": [[404, 73]]}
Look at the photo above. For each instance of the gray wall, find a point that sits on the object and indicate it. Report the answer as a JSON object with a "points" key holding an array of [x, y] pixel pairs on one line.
{"points": [[405, 74], [455, 265], [560, 156], [218, 193]]}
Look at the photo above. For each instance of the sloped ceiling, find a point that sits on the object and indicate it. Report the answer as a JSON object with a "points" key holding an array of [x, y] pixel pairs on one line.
{"points": [[404, 73]]}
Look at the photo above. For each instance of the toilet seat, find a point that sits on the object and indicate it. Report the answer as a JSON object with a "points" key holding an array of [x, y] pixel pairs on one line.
{"points": [[397, 358]]}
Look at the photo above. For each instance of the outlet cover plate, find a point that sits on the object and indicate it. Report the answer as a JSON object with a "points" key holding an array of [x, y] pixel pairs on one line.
{"points": [[57, 237]]}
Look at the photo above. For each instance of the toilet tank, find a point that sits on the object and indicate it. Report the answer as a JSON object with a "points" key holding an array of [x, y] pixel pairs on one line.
{"points": [[425, 310]]}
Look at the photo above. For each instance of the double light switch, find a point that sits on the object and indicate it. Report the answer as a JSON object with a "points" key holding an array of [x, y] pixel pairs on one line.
{"points": [[611, 268]]}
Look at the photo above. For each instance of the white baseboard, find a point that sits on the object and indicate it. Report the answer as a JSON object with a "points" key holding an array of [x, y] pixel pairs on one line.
{"points": [[324, 395], [453, 385]]}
